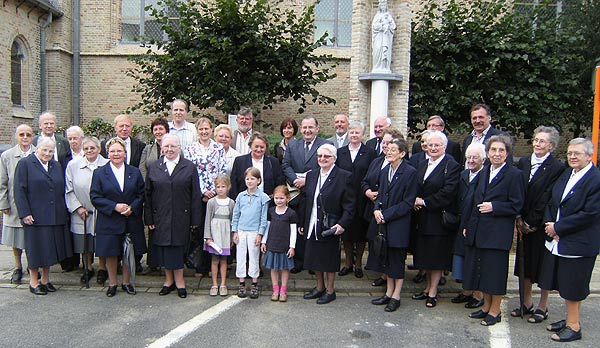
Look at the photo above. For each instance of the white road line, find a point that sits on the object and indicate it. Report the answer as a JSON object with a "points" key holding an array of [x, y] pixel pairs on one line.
{"points": [[178, 333], [500, 333]]}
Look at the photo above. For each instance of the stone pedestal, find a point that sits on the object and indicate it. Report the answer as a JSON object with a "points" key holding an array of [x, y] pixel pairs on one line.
{"points": [[380, 84]]}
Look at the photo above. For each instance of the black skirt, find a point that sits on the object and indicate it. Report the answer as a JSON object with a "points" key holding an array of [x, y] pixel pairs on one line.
{"points": [[47, 245], [485, 270], [534, 250], [396, 262], [169, 257], [322, 255], [570, 276], [433, 252]]}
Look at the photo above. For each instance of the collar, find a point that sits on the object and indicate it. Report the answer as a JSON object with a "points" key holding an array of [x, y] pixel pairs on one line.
{"points": [[483, 134], [535, 159], [175, 161]]}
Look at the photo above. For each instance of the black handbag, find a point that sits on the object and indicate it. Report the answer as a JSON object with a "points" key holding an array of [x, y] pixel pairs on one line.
{"points": [[450, 220], [380, 245]]}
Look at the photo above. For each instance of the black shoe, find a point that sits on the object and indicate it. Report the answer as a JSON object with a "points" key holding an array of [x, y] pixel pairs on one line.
{"points": [[17, 276], [461, 298], [474, 303], [129, 289], [111, 291], [379, 282], [49, 287], [102, 276], [420, 296], [490, 320], [38, 290], [326, 298], [295, 270], [313, 294], [567, 334], [166, 289], [557, 326], [358, 272], [345, 271], [392, 306], [442, 281], [181, 292], [381, 301], [419, 278], [478, 315], [89, 273]]}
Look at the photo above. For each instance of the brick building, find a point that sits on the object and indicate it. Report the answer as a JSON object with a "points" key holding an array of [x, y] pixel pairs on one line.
{"points": [[107, 37]]}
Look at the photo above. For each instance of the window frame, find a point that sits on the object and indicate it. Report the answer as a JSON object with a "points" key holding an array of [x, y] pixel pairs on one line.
{"points": [[335, 19]]}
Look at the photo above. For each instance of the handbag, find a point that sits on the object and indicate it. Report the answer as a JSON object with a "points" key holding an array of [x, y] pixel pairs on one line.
{"points": [[380, 245], [450, 220]]}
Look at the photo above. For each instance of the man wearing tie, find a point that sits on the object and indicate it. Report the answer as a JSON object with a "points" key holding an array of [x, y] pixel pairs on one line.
{"points": [[340, 123], [381, 124], [300, 158]]}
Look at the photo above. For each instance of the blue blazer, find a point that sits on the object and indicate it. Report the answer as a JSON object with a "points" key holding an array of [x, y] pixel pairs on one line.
{"points": [[493, 131], [293, 160], [272, 174], [395, 200], [579, 214], [40, 193], [506, 192], [371, 182], [105, 194]]}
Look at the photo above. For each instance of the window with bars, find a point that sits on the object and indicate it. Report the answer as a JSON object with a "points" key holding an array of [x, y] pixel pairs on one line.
{"points": [[335, 18], [549, 10], [137, 25], [16, 73]]}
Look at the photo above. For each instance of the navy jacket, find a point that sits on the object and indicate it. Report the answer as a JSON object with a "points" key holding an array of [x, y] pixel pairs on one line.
{"points": [[137, 147], [105, 194], [272, 174], [579, 224], [40, 193], [506, 193], [359, 169], [395, 200], [293, 160], [492, 131]]}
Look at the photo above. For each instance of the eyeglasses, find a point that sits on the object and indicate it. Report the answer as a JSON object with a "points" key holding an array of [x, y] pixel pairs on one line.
{"points": [[89, 148], [540, 141], [25, 135], [170, 147], [324, 156], [575, 153], [435, 146]]}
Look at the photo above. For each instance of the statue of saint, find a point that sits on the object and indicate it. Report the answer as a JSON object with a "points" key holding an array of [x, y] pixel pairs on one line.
{"points": [[383, 36]]}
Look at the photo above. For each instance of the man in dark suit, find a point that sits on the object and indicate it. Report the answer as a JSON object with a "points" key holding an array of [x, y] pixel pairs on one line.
{"points": [[436, 122], [379, 126], [340, 123], [571, 227], [299, 159], [62, 154], [481, 118], [123, 128]]}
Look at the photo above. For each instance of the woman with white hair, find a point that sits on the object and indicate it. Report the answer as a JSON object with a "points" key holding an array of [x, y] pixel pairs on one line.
{"points": [[329, 208], [39, 188]]}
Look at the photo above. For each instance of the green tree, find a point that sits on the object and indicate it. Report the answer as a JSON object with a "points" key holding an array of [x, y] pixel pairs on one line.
{"points": [[228, 53], [524, 65]]}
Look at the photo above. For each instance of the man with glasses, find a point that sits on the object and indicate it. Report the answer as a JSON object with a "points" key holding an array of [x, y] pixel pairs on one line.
{"points": [[436, 123]]}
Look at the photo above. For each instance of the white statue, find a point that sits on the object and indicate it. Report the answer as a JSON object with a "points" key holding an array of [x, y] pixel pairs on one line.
{"points": [[383, 36]]}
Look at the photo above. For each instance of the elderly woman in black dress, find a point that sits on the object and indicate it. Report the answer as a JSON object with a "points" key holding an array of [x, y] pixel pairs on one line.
{"points": [[173, 206], [438, 178], [393, 208], [540, 171], [497, 199], [39, 188], [117, 193], [573, 241], [356, 158], [329, 205]]}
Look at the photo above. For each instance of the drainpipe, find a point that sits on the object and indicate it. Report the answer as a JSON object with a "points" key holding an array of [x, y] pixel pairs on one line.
{"points": [[43, 80], [76, 63]]}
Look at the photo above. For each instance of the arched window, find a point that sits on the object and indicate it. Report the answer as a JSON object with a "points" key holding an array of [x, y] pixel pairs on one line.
{"points": [[16, 73]]}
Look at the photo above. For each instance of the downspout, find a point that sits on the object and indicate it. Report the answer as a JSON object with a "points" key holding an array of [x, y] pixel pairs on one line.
{"points": [[76, 63], [43, 80]]}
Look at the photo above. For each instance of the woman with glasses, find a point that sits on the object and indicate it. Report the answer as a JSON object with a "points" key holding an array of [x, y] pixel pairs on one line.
{"points": [[13, 233], [329, 205]]}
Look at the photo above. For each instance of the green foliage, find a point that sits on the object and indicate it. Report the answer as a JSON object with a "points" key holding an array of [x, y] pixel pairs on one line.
{"points": [[228, 53], [526, 66]]}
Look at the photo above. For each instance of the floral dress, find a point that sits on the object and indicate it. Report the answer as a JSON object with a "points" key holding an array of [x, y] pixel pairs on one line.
{"points": [[210, 162]]}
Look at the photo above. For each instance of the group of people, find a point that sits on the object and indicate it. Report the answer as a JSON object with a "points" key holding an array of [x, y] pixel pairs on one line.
{"points": [[453, 210]]}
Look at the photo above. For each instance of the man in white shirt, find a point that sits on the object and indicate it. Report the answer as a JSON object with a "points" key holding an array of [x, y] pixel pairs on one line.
{"points": [[340, 123], [242, 134], [186, 131]]}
